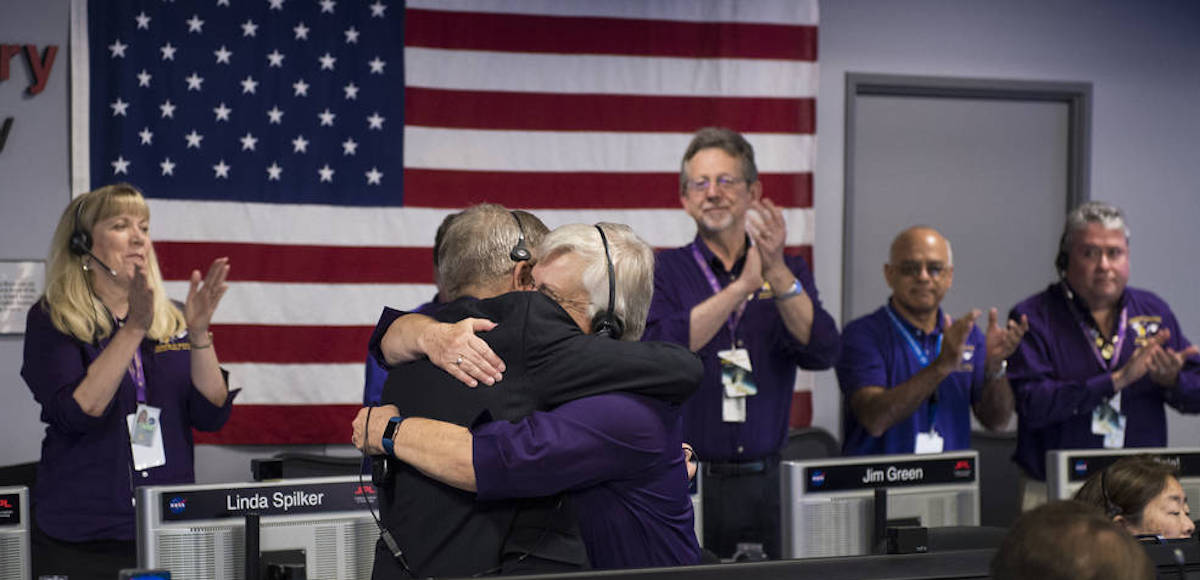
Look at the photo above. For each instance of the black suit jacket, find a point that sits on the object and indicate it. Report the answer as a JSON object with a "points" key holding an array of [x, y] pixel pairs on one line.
{"points": [[445, 531]]}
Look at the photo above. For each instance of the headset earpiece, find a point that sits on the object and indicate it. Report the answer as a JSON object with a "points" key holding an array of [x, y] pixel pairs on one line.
{"points": [[519, 253], [81, 240], [1062, 260], [1111, 510], [606, 322]]}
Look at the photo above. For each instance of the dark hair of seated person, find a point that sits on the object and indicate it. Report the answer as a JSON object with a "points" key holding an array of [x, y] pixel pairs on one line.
{"points": [[1127, 487], [1069, 540]]}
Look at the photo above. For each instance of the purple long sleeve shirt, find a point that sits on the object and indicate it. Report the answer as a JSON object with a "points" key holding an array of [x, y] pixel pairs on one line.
{"points": [[679, 285], [620, 456], [85, 479], [1057, 380]]}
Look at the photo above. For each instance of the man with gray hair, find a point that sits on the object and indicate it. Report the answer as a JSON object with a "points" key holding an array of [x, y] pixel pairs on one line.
{"points": [[753, 315], [551, 359], [1101, 358], [910, 376]]}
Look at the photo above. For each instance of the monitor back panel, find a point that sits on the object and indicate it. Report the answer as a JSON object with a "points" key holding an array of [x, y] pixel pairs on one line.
{"points": [[14, 533], [198, 531], [1068, 469], [829, 504]]}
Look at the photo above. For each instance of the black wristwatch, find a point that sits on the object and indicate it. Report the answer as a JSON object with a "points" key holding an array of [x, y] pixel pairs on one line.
{"points": [[389, 433]]}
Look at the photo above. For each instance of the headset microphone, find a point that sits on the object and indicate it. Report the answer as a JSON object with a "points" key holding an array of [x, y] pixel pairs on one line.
{"points": [[81, 242], [110, 271]]}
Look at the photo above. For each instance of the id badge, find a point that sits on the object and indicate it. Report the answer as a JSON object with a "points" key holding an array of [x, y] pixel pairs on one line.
{"points": [[1109, 422], [733, 409], [145, 437], [736, 375], [929, 442]]}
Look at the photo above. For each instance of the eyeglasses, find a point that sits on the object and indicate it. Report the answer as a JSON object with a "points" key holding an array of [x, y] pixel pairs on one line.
{"points": [[914, 268], [725, 184]]}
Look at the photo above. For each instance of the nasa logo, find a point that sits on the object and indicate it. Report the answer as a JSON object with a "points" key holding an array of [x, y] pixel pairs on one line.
{"points": [[177, 505], [817, 478], [1080, 467]]}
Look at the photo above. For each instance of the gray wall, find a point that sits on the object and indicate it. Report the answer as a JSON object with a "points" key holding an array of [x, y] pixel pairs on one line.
{"points": [[1142, 58], [34, 187]]}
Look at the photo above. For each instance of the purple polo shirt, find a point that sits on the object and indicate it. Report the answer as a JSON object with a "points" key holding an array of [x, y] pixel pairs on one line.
{"points": [[85, 479], [679, 285], [620, 456], [1057, 380], [874, 353]]}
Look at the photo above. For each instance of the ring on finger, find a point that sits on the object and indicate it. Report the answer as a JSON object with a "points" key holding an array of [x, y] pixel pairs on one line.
{"points": [[459, 360]]}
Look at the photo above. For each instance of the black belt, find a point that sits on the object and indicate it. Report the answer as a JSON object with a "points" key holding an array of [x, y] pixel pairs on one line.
{"points": [[738, 468]]}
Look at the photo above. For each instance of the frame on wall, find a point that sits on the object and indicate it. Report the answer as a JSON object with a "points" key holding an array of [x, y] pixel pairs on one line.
{"points": [[22, 282]]}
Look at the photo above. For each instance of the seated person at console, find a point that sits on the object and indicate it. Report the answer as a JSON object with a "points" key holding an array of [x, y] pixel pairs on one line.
{"points": [[1068, 540], [1142, 495]]}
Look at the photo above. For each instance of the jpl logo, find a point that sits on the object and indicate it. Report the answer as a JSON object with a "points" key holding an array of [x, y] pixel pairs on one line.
{"points": [[817, 478], [5, 504], [1080, 467], [177, 505]]}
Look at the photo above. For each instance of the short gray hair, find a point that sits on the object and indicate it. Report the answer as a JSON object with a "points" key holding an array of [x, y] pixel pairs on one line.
{"points": [[475, 249], [633, 264], [1092, 212], [726, 140]]}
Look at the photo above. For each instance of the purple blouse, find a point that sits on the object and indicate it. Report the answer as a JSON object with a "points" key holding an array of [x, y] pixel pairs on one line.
{"points": [[85, 479], [620, 455]]}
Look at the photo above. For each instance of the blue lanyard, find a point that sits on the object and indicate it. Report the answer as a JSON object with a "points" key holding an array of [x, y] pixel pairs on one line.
{"points": [[922, 358], [917, 350]]}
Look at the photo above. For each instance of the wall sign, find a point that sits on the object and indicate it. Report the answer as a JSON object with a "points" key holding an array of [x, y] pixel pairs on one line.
{"points": [[21, 284]]}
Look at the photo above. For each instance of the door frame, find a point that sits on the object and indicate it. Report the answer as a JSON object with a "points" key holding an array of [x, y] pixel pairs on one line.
{"points": [[1076, 95]]}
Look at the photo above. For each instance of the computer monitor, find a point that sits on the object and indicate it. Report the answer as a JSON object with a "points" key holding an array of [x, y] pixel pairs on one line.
{"points": [[1068, 469], [14, 533], [829, 504], [198, 531]]}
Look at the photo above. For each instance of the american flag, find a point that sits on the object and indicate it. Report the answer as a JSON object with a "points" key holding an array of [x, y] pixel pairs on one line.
{"points": [[319, 143]]}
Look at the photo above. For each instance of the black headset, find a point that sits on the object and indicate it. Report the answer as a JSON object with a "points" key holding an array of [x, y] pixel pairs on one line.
{"points": [[1111, 510], [519, 253], [81, 240], [1062, 259], [606, 322]]}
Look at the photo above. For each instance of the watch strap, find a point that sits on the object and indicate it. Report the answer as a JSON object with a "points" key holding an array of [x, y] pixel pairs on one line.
{"points": [[796, 290], [389, 433]]}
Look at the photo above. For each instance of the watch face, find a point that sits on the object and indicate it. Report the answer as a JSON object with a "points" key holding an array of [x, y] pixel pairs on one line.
{"points": [[390, 430]]}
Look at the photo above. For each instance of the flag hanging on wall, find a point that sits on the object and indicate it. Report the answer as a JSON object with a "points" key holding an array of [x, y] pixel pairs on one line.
{"points": [[319, 143]]}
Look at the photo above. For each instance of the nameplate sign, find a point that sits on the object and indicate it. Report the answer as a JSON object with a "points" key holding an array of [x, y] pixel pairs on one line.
{"points": [[10, 509], [907, 473], [1081, 467], [278, 500]]}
